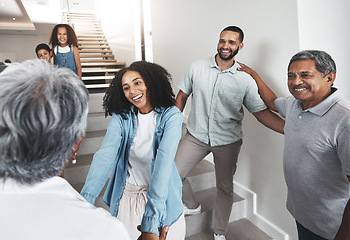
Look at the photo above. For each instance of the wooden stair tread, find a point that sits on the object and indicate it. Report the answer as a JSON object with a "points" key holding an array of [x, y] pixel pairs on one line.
{"points": [[95, 51], [92, 43], [97, 78], [96, 55], [103, 64], [91, 35], [91, 38], [93, 70], [97, 60], [94, 47], [90, 86]]}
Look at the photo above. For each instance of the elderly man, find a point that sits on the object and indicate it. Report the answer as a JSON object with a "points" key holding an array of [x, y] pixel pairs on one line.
{"points": [[317, 143], [43, 114]]}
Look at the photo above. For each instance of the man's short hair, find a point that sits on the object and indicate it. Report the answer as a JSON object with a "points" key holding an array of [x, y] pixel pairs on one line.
{"points": [[323, 61], [237, 30], [43, 112]]}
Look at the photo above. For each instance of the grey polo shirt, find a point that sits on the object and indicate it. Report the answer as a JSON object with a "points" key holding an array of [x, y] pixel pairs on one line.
{"points": [[217, 101], [317, 161]]}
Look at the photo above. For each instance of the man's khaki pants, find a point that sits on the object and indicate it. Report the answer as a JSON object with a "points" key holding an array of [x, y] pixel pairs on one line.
{"points": [[189, 153]]}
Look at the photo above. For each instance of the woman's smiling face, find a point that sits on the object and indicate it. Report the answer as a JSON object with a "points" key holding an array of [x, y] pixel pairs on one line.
{"points": [[135, 91]]}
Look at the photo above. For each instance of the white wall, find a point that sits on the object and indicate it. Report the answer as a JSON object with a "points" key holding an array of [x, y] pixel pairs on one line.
{"points": [[326, 27], [184, 31], [23, 46], [118, 21]]}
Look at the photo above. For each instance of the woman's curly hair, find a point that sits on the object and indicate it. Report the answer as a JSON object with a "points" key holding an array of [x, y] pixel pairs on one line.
{"points": [[159, 90]]}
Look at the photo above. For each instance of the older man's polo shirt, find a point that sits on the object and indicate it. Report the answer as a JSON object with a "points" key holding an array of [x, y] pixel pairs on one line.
{"points": [[217, 101], [317, 161]]}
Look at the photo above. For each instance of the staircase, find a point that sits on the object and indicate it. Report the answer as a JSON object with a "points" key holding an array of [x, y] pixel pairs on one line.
{"points": [[98, 62], [202, 178]]}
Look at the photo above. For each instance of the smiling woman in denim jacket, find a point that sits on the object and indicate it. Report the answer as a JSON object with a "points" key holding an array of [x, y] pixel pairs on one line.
{"points": [[139, 149]]}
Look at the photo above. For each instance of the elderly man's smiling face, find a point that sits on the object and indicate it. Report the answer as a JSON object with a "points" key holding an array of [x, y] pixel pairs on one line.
{"points": [[307, 84]]}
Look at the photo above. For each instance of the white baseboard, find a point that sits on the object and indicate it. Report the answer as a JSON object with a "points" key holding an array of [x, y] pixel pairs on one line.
{"points": [[252, 215]]}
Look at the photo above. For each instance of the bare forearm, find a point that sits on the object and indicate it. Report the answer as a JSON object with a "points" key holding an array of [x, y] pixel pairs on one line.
{"points": [[181, 100], [267, 95], [270, 120]]}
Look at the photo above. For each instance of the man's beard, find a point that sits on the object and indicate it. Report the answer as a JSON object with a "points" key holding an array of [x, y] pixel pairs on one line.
{"points": [[229, 57]]}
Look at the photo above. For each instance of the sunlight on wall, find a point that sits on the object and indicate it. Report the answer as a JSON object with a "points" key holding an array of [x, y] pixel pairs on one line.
{"points": [[323, 26]]}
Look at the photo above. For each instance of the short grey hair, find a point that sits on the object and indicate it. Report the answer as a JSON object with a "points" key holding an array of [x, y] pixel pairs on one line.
{"points": [[43, 111], [324, 62]]}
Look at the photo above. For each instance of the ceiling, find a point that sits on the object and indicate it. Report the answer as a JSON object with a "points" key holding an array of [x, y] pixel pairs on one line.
{"points": [[22, 16], [13, 16]]}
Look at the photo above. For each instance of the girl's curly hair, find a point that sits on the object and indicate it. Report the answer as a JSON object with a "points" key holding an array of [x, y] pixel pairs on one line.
{"points": [[72, 37], [159, 90]]}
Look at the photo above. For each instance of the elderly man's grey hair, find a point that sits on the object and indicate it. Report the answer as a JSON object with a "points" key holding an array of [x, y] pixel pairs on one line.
{"points": [[43, 112], [324, 62]]}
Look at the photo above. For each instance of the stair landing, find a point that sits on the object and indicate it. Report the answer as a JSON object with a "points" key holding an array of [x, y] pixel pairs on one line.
{"points": [[241, 229]]}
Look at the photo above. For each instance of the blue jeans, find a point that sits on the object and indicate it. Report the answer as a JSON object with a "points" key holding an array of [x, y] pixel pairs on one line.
{"points": [[305, 234]]}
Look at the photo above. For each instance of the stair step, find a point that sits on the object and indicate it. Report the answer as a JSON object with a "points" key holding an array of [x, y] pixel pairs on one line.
{"points": [[96, 55], [204, 221], [104, 70], [95, 103], [91, 86], [92, 43], [241, 229], [80, 29], [87, 31], [98, 78], [92, 35], [97, 122], [92, 38], [94, 47], [95, 51], [81, 15], [116, 64], [202, 176], [97, 60], [80, 19]]}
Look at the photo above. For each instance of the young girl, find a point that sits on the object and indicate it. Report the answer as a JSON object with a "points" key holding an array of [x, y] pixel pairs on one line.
{"points": [[64, 44], [139, 148]]}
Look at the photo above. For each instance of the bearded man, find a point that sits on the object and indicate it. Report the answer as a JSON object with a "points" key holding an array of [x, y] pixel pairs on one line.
{"points": [[219, 92]]}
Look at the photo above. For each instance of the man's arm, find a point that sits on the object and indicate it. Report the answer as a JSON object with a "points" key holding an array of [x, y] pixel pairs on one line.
{"points": [[181, 100], [267, 95], [344, 229], [270, 120]]}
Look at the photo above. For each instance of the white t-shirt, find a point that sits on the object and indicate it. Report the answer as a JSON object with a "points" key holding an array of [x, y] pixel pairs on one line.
{"points": [[141, 150], [53, 210]]}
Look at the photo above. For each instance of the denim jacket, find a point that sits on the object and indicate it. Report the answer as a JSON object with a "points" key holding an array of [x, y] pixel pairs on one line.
{"points": [[164, 205]]}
